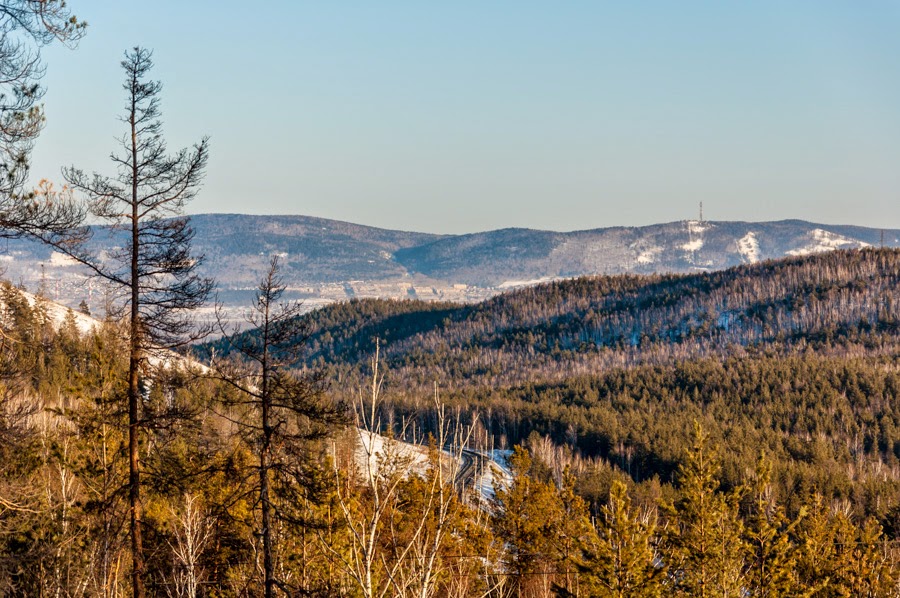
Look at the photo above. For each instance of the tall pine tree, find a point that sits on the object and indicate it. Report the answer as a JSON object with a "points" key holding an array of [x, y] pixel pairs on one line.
{"points": [[153, 268]]}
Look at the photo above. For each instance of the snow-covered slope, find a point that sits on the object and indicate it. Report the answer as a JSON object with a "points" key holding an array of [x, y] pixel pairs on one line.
{"points": [[479, 470], [820, 240], [58, 313], [748, 247]]}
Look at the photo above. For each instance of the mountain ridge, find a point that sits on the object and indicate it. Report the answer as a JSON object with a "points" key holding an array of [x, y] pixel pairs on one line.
{"points": [[326, 260]]}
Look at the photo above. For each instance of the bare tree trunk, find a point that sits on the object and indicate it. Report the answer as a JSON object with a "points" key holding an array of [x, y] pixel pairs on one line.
{"points": [[290, 411], [147, 197], [268, 562], [134, 358], [264, 498], [193, 530], [134, 481]]}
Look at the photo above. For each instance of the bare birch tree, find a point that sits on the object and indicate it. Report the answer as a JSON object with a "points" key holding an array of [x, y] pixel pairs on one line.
{"points": [[394, 549], [193, 531]]}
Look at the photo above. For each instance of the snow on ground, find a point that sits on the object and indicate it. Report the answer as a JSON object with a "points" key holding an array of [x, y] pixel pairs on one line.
{"points": [[823, 240], [58, 314], [497, 472], [86, 324], [695, 229], [693, 245], [375, 447], [649, 255], [501, 458], [748, 247], [513, 284], [61, 259], [413, 458]]}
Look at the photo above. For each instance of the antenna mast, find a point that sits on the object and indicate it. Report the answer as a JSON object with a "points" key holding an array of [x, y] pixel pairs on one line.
{"points": [[701, 211]]}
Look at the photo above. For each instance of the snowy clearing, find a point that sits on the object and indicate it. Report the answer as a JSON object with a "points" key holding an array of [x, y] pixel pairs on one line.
{"points": [[512, 284], [823, 240], [748, 247], [62, 260], [648, 256], [694, 245]]}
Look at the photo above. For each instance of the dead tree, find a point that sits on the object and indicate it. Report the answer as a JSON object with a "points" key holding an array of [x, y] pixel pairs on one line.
{"points": [[279, 410]]}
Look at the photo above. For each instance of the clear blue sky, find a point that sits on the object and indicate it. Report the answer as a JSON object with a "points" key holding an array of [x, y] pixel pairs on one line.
{"points": [[472, 115]]}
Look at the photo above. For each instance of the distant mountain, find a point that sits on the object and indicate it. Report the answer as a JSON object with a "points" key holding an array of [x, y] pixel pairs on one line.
{"points": [[327, 260], [315, 250], [510, 256]]}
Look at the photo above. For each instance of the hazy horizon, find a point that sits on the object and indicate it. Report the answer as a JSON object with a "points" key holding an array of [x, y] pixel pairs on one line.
{"points": [[467, 117], [584, 227]]}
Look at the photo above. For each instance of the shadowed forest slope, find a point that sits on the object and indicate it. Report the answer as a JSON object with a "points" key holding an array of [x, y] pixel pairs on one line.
{"points": [[840, 301]]}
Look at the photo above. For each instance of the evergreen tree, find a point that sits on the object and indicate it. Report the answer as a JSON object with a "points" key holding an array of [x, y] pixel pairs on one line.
{"points": [[771, 566], [817, 549], [154, 268], [529, 516], [862, 567], [704, 544], [282, 413], [623, 562], [25, 27]]}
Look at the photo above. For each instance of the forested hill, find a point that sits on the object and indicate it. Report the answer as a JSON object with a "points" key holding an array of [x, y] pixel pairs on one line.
{"points": [[794, 358], [831, 301]]}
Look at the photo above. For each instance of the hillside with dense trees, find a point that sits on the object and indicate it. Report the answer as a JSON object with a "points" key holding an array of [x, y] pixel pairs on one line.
{"points": [[839, 302], [795, 357], [756, 456], [726, 433]]}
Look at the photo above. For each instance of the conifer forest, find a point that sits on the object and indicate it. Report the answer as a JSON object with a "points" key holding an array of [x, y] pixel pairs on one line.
{"points": [[730, 433]]}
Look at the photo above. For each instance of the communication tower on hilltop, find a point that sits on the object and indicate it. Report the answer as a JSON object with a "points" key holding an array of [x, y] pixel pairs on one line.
{"points": [[701, 211]]}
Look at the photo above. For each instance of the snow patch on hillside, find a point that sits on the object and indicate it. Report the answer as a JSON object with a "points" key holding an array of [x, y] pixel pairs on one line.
{"points": [[85, 324], [695, 229], [497, 473], [58, 314], [823, 240], [693, 245], [375, 450], [514, 284], [648, 256], [748, 247]]}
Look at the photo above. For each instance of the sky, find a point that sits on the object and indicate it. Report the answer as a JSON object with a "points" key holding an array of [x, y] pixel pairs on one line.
{"points": [[455, 117]]}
